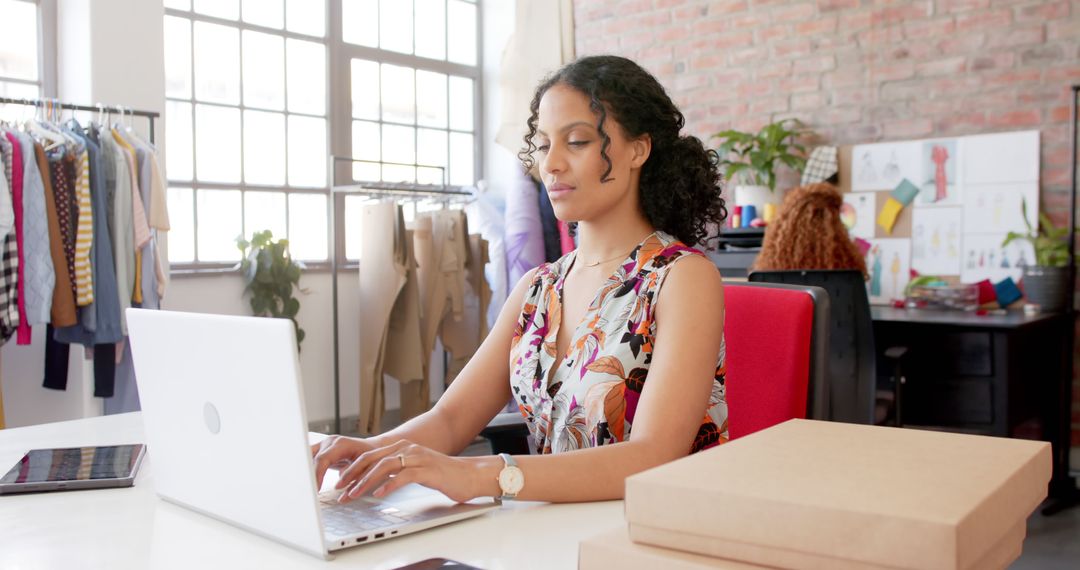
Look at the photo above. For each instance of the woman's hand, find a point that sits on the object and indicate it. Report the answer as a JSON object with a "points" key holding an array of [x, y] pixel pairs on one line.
{"points": [[386, 469], [336, 452]]}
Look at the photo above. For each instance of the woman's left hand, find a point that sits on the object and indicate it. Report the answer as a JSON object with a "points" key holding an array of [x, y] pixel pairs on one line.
{"points": [[385, 469]]}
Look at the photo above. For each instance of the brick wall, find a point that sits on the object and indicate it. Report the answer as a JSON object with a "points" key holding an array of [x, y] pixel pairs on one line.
{"points": [[860, 71]]}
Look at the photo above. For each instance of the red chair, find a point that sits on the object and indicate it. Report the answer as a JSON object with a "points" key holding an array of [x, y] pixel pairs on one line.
{"points": [[777, 345]]}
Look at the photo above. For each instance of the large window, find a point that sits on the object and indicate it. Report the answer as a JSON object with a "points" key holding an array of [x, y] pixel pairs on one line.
{"points": [[22, 61], [261, 92]]}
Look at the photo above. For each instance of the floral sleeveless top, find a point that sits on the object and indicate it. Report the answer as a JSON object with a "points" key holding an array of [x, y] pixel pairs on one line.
{"points": [[590, 400]]}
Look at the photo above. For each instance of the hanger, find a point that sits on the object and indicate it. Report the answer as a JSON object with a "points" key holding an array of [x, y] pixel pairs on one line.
{"points": [[38, 127]]}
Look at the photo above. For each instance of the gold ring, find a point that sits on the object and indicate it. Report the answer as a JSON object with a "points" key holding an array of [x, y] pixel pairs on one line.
{"points": [[401, 458]]}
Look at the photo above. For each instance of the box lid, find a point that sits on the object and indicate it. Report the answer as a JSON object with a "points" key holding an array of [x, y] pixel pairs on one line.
{"points": [[895, 497]]}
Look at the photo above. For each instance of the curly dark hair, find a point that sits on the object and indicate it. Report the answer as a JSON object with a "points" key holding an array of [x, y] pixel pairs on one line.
{"points": [[808, 233], [680, 181]]}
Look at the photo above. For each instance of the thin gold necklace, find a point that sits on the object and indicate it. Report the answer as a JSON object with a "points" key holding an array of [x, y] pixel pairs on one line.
{"points": [[595, 263], [623, 256]]}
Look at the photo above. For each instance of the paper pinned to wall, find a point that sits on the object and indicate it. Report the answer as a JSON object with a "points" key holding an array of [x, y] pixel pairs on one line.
{"points": [[882, 166], [936, 240], [889, 212], [997, 208], [1001, 157], [857, 213], [889, 264], [940, 184], [984, 258]]}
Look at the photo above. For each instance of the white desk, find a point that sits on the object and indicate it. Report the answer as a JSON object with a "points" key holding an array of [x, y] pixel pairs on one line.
{"points": [[132, 528]]}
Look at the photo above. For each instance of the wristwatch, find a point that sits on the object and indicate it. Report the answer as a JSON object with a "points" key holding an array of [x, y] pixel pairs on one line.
{"points": [[511, 478]]}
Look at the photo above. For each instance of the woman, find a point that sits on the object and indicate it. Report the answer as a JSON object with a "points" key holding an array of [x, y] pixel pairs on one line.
{"points": [[808, 233], [644, 345]]}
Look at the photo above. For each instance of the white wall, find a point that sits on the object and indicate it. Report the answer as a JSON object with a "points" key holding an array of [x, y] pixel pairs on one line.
{"points": [[112, 51]]}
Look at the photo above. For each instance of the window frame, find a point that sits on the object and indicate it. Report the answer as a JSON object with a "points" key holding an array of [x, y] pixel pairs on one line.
{"points": [[339, 119], [46, 50]]}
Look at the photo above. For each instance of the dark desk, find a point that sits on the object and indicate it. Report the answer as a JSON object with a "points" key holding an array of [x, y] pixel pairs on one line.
{"points": [[995, 375], [991, 374]]}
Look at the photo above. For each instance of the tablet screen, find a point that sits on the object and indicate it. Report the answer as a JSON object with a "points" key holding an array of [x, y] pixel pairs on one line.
{"points": [[75, 464]]}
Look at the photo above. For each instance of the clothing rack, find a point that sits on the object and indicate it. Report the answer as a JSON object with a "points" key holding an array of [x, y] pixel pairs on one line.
{"points": [[372, 189], [151, 116]]}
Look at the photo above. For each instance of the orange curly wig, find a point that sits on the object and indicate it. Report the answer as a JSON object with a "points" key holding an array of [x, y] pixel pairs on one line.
{"points": [[808, 234]]}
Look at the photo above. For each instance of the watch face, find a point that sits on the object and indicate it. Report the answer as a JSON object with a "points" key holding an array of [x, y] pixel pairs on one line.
{"points": [[511, 480]]}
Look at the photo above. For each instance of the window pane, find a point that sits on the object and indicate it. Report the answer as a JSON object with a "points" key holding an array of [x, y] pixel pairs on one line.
{"points": [[396, 26], [217, 143], [219, 224], [178, 142], [399, 103], [462, 24], [430, 150], [399, 145], [177, 57], [307, 77], [461, 103], [269, 13], [264, 148], [19, 41], [307, 151], [229, 9], [217, 63], [365, 89], [360, 22], [461, 159], [264, 211], [179, 5], [306, 17], [365, 146], [309, 237], [264, 70], [431, 28], [18, 91], [430, 99], [181, 225]]}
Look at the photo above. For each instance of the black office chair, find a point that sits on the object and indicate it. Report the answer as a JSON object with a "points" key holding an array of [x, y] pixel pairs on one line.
{"points": [[851, 362]]}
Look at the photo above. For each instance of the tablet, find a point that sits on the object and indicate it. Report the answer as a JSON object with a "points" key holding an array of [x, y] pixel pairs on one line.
{"points": [[94, 467]]}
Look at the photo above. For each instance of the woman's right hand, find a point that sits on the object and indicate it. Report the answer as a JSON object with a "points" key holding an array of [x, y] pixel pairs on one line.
{"points": [[336, 452]]}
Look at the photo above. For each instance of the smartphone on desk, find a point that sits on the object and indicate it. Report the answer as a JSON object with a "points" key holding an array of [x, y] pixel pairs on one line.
{"points": [[437, 564], [73, 468]]}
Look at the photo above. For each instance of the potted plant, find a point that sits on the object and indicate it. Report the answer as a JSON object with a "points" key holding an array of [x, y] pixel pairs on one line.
{"points": [[749, 160], [1046, 283], [270, 274]]}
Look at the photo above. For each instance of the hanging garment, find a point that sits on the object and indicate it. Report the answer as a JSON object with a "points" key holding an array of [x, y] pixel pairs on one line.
{"points": [[550, 226], [406, 360], [62, 170], [382, 274], [22, 335], [98, 322], [40, 274], [62, 311], [120, 220], [9, 260], [463, 337], [524, 237], [140, 226], [126, 392], [84, 230], [441, 270]]}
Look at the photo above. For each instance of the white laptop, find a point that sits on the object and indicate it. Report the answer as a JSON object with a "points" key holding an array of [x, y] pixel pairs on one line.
{"points": [[226, 433]]}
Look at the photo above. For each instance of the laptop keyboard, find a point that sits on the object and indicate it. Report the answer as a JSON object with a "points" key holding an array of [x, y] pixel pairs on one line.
{"points": [[358, 516]]}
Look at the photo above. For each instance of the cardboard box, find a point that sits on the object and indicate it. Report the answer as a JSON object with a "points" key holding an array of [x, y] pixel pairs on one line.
{"points": [[810, 494], [614, 549]]}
